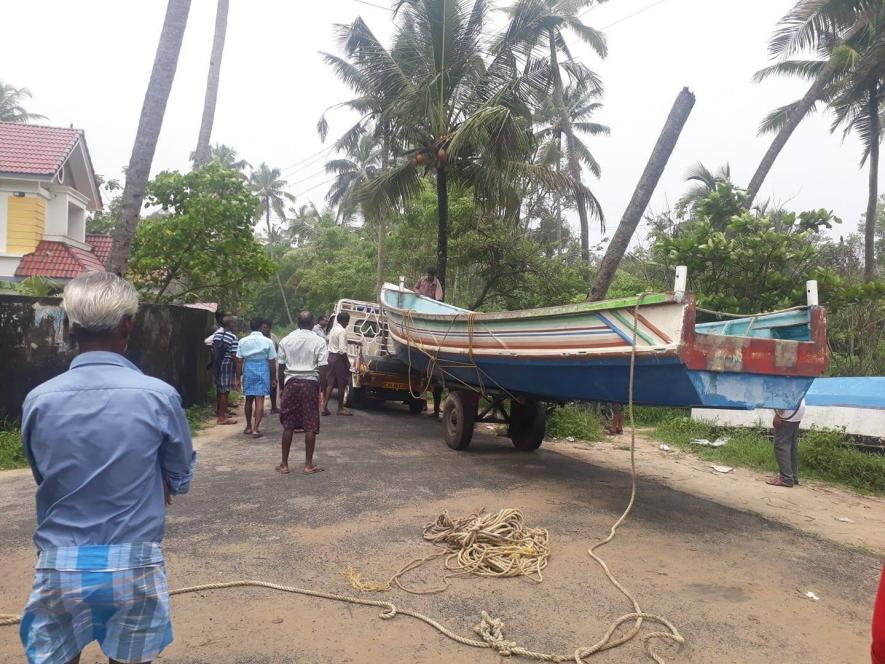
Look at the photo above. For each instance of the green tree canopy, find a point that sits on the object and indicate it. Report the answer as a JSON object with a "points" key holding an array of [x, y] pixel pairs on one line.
{"points": [[200, 246]]}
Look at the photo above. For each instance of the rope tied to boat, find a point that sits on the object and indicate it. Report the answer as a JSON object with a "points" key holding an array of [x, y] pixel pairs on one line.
{"points": [[491, 630]]}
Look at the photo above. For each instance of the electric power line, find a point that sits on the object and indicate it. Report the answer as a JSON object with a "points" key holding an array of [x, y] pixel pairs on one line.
{"points": [[372, 4], [636, 13], [316, 186]]}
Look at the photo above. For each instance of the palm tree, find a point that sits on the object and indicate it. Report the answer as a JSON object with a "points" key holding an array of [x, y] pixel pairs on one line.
{"points": [[225, 155], [202, 152], [703, 183], [267, 184], [11, 108], [458, 117], [848, 78], [149, 124], [580, 105], [538, 26], [351, 176], [302, 226]]}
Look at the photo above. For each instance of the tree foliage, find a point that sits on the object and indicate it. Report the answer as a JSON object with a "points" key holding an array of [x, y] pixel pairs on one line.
{"points": [[200, 246]]}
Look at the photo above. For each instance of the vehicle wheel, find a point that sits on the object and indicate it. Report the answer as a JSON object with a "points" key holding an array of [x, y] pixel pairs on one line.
{"points": [[417, 406], [459, 416], [527, 424]]}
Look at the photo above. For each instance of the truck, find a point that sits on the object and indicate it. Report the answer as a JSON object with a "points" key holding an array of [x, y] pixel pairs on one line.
{"points": [[375, 372]]}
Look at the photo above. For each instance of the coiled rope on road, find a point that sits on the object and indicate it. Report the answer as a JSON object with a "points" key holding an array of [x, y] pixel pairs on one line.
{"points": [[489, 629]]}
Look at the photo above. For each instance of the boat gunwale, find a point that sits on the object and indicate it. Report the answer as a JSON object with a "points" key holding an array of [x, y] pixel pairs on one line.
{"points": [[577, 308]]}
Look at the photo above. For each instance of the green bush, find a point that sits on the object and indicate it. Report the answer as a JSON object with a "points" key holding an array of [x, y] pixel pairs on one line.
{"points": [[12, 455], [575, 421]]}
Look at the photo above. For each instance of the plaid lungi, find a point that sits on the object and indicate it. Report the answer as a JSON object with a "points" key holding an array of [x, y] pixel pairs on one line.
{"points": [[80, 595], [300, 406], [256, 378], [226, 376]]}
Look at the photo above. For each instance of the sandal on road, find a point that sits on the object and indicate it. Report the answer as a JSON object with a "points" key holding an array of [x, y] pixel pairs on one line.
{"points": [[778, 481]]}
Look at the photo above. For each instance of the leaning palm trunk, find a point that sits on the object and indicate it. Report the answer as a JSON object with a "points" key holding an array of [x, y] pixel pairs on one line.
{"points": [[814, 93], [201, 155], [869, 256], [149, 124], [642, 194], [270, 253], [574, 167]]}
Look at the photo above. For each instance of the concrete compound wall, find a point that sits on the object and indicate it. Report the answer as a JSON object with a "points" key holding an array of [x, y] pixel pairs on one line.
{"points": [[167, 343], [856, 421]]}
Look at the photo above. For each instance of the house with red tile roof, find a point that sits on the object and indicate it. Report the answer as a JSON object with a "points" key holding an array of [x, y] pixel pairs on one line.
{"points": [[47, 190]]}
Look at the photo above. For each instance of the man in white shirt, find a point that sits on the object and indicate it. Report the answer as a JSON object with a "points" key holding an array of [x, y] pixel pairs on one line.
{"points": [[303, 353], [339, 364], [786, 445]]}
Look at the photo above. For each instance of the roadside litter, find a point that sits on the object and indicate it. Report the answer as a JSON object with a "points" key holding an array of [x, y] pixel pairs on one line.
{"points": [[719, 442], [844, 519], [722, 469], [665, 448], [810, 595]]}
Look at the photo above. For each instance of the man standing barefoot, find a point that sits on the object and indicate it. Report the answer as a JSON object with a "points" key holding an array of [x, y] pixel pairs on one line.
{"points": [[339, 365], [303, 353]]}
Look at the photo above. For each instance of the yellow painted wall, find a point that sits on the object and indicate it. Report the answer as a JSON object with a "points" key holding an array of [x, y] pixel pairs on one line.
{"points": [[25, 220]]}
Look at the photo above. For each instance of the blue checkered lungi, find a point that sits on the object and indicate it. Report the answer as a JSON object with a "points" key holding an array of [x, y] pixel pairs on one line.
{"points": [[226, 376], [116, 595], [256, 378]]}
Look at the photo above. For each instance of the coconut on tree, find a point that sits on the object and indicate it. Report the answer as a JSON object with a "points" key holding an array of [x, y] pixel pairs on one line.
{"points": [[459, 116]]}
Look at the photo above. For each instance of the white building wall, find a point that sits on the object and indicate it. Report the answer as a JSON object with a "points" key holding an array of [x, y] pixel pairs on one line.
{"points": [[56, 215], [857, 421]]}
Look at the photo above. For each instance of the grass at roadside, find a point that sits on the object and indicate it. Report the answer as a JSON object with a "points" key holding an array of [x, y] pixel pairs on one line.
{"points": [[198, 415], [11, 453], [823, 455], [576, 421]]}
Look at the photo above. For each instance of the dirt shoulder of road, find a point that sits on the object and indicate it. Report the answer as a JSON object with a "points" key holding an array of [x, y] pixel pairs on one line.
{"points": [[833, 513]]}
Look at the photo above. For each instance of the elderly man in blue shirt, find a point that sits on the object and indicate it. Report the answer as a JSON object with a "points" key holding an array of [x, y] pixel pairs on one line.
{"points": [[108, 447]]}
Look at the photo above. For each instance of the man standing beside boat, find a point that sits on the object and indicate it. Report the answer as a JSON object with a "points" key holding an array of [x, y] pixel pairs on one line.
{"points": [[338, 374], [430, 286], [786, 445]]}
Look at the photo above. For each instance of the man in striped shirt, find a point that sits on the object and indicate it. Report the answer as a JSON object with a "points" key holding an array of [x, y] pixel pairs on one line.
{"points": [[224, 346]]}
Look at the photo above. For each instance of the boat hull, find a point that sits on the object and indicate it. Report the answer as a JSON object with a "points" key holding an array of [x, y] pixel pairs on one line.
{"points": [[660, 381]]}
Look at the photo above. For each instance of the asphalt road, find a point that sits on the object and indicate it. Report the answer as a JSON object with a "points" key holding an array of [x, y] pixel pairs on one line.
{"points": [[732, 582]]}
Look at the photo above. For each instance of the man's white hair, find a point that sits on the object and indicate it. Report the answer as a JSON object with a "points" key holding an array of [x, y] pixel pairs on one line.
{"points": [[98, 302]]}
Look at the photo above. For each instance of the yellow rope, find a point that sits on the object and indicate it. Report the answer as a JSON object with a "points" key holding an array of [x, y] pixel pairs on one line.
{"points": [[491, 630], [492, 545]]}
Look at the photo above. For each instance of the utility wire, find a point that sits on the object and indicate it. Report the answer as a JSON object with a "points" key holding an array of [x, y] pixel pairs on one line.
{"points": [[636, 13], [372, 4], [301, 193]]}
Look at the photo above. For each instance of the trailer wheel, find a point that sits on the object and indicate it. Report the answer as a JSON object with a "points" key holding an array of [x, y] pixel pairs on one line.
{"points": [[527, 424], [459, 416], [417, 406]]}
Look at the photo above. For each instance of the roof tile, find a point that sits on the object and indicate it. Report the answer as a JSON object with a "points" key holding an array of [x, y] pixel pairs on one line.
{"points": [[34, 149], [58, 261]]}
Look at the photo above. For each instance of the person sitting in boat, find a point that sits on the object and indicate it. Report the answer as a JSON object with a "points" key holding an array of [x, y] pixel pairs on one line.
{"points": [[429, 285]]}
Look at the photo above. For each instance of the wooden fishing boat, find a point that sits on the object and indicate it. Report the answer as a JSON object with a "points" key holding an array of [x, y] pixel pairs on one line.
{"points": [[583, 352]]}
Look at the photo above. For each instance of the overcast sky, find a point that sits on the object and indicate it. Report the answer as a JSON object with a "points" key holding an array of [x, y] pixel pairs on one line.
{"points": [[88, 62]]}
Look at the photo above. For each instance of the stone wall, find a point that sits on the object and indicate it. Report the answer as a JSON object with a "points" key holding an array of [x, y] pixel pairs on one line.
{"points": [[167, 343]]}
